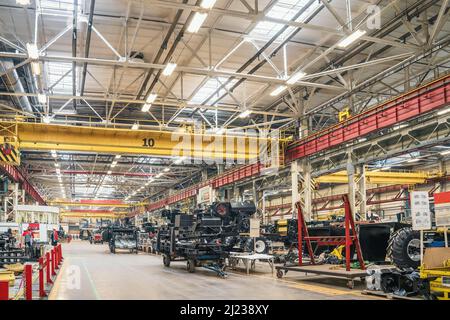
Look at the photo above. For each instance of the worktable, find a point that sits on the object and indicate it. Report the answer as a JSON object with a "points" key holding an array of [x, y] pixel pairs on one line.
{"points": [[249, 260]]}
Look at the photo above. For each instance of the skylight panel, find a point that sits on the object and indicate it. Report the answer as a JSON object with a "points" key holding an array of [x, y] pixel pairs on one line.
{"points": [[209, 88], [58, 7], [285, 10], [55, 70]]}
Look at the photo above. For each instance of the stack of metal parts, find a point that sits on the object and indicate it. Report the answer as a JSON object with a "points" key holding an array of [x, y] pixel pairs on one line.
{"points": [[9, 253], [398, 282]]}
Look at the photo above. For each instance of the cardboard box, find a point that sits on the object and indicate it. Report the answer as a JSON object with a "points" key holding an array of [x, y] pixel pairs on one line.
{"points": [[435, 257]]}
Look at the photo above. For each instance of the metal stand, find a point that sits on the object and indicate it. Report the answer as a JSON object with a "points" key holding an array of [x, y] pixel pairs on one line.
{"points": [[350, 238]]}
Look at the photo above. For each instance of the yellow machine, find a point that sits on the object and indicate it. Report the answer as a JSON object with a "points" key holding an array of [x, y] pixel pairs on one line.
{"points": [[282, 227], [7, 275], [439, 280]]}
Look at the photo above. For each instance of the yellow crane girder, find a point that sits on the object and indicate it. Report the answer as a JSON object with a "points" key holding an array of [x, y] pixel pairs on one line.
{"points": [[41, 136], [63, 203], [92, 215], [379, 177]]}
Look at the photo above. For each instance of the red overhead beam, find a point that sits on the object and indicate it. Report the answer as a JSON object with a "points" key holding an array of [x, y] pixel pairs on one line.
{"points": [[429, 97], [17, 176]]}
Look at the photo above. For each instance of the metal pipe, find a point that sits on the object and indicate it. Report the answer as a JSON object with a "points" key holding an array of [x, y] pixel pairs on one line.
{"points": [[161, 49], [87, 44], [13, 83], [74, 52]]}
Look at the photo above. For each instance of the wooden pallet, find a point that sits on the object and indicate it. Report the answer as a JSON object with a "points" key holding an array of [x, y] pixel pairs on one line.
{"points": [[390, 296]]}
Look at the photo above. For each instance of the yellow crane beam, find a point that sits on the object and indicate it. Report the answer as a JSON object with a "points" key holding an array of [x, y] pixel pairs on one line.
{"points": [[92, 215], [63, 203], [41, 136], [380, 177]]}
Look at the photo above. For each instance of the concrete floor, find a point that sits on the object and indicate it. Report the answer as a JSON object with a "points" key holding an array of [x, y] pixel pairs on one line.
{"points": [[91, 272]]}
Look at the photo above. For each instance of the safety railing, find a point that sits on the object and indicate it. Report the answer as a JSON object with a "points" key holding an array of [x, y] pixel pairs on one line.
{"points": [[44, 275]]}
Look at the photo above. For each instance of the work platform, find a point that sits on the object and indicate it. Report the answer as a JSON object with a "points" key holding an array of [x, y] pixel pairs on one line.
{"points": [[337, 271]]}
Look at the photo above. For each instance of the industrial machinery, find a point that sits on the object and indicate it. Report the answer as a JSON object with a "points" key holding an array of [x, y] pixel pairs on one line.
{"points": [[11, 253], [96, 237], [121, 237], [206, 237]]}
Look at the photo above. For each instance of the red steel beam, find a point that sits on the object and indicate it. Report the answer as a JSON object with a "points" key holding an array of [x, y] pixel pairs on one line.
{"points": [[427, 98], [17, 176]]}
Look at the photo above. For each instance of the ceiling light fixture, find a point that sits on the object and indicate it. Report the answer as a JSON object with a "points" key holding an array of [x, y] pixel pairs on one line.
{"points": [[351, 38], [23, 2], [295, 77], [32, 50], [166, 169], [151, 98], [109, 172], [440, 113], [245, 113], [113, 164], [179, 160], [168, 70], [444, 153], [36, 68], [197, 22], [42, 98], [207, 4], [413, 160], [46, 119], [278, 90], [53, 152], [118, 156], [220, 130], [135, 126], [146, 107]]}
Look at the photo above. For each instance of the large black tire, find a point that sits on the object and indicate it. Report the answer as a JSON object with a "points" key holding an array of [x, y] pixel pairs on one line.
{"points": [[190, 266], [404, 248], [166, 260]]}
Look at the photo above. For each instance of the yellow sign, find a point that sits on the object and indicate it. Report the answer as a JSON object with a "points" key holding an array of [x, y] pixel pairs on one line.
{"points": [[9, 153]]}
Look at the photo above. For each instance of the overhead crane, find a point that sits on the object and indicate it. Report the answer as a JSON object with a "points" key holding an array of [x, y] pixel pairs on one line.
{"points": [[92, 214], [381, 177], [201, 145], [110, 204]]}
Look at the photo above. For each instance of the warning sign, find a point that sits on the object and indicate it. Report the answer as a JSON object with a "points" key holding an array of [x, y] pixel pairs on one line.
{"points": [[9, 154]]}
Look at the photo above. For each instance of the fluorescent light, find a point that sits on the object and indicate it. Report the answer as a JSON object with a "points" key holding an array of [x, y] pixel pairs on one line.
{"points": [[159, 175], [385, 168], [46, 119], [351, 38], [295, 77], [207, 4], [58, 171], [135, 126], [118, 156], [113, 164], [146, 107], [23, 2], [33, 52], [42, 98], [109, 172], [245, 113], [445, 152], [179, 160], [220, 130], [53, 152], [151, 98], [197, 22], [278, 90], [166, 169], [168, 70], [57, 164], [443, 111], [36, 68], [413, 160]]}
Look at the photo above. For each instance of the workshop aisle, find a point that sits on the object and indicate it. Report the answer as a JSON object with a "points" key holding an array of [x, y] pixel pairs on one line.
{"points": [[91, 272]]}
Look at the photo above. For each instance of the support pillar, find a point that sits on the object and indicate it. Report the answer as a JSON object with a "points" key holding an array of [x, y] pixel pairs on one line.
{"points": [[362, 191], [443, 182], [307, 189], [351, 185], [295, 168]]}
